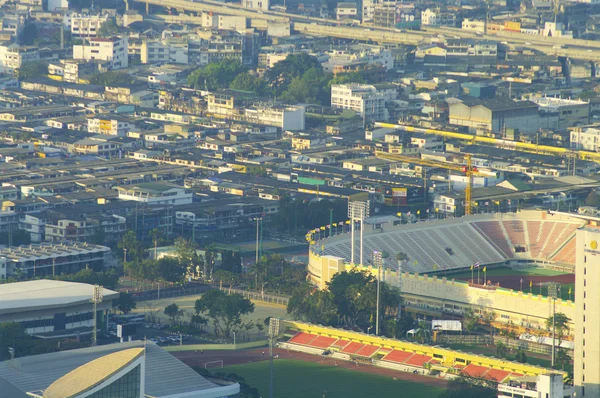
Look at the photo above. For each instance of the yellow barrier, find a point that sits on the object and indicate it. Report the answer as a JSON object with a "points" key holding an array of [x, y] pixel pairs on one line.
{"points": [[447, 357]]}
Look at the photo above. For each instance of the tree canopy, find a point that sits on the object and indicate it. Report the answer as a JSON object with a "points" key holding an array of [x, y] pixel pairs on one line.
{"points": [[125, 303], [32, 69], [225, 311], [467, 387], [247, 81], [112, 78], [216, 75]]}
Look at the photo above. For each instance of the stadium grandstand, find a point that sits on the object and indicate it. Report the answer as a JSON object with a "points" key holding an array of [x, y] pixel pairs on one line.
{"points": [[401, 355], [526, 236]]}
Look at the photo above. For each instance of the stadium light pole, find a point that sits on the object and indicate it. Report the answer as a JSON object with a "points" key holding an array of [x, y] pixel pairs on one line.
{"points": [[552, 293], [273, 332], [377, 262], [97, 296], [357, 211]]}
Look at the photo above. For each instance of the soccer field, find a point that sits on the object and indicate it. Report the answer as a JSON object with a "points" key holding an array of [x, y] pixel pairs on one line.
{"points": [[298, 379], [506, 271]]}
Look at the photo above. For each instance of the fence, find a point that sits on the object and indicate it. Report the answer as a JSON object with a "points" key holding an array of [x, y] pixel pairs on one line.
{"points": [[169, 293], [510, 343], [258, 296]]}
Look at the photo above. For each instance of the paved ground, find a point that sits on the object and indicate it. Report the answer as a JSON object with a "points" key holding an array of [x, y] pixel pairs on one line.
{"points": [[253, 355]]}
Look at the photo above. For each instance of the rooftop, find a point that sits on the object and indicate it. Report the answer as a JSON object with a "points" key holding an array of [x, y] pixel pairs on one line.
{"points": [[39, 294]]}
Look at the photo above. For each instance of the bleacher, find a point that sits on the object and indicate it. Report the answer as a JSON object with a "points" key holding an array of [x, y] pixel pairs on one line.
{"points": [[340, 343], [497, 375], [303, 338], [418, 360], [487, 241], [323, 342], [352, 348], [476, 371], [567, 253], [367, 351], [397, 356]]}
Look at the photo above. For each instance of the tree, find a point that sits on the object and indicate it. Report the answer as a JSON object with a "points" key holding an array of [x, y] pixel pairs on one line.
{"points": [[346, 78], [11, 334], [108, 28], [151, 310], [280, 76], [593, 199], [469, 320], [401, 256], [225, 311], [501, 350], [99, 236], [216, 75], [29, 34], [311, 88], [422, 331], [170, 269], [247, 81], [32, 69], [125, 303], [561, 325], [112, 78], [521, 356], [563, 360], [173, 312], [467, 387], [135, 249]]}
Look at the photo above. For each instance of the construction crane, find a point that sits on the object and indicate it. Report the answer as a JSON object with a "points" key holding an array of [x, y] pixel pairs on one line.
{"points": [[468, 169]]}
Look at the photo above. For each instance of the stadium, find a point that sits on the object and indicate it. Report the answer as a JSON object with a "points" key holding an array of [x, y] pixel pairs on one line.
{"points": [[439, 258]]}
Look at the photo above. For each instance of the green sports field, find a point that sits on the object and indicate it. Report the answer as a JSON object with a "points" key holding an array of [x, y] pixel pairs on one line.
{"points": [[506, 271], [298, 379]]}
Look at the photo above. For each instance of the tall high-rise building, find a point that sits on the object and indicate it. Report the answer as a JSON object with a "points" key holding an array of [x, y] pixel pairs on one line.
{"points": [[587, 313]]}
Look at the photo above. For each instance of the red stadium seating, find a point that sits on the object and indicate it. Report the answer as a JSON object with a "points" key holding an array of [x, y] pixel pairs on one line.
{"points": [[497, 375], [418, 360], [323, 342], [352, 348], [567, 253], [492, 232], [340, 343], [367, 351], [475, 370], [303, 338], [515, 231], [397, 356]]}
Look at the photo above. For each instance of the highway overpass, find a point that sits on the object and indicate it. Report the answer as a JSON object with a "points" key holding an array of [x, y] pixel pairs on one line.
{"points": [[573, 48]]}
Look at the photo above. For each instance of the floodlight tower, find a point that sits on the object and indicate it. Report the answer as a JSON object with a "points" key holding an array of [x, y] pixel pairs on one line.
{"points": [[97, 296], [357, 211], [273, 333], [552, 293], [377, 262]]}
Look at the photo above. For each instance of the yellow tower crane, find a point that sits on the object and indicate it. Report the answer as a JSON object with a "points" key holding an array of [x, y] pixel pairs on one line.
{"points": [[468, 169]]}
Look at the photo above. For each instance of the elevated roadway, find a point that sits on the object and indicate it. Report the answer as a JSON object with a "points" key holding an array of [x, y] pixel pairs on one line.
{"points": [[574, 48]]}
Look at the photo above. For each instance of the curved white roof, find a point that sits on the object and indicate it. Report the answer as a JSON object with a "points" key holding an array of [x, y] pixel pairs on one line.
{"points": [[41, 294]]}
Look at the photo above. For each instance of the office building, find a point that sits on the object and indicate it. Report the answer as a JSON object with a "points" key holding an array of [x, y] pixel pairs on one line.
{"points": [[112, 49]]}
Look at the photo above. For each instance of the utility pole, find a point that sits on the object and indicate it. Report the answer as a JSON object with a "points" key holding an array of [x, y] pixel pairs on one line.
{"points": [[97, 296], [377, 262], [53, 266], [273, 332], [552, 293]]}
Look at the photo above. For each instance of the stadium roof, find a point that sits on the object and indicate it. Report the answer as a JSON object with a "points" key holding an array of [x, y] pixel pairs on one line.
{"points": [[165, 375], [91, 374], [40, 294]]}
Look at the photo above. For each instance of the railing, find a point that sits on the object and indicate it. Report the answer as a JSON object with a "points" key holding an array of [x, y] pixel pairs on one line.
{"points": [[258, 296]]}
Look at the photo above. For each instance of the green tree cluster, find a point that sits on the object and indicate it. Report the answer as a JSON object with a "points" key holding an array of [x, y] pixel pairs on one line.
{"points": [[108, 28], [247, 81], [349, 302], [225, 311], [217, 75], [112, 78], [173, 312], [468, 387], [32, 69], [125, 303], [107, 278]]}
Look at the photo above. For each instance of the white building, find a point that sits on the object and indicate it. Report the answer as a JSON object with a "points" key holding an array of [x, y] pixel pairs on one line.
{"points": [[542, 386], [372, 55], [556, 29], [12, 56], [256, 4], [164, 51], [586, 137], [57, 5], [346, 10], [113, 49], [368, 9], [46, 306], [85, 25], [361, 98], [109, 126], [587, 315], [156, 194], [569, 112], [429, 17], [288, 118], [473, 25]]}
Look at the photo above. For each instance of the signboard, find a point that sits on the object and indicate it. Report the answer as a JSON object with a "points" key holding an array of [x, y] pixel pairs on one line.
{"points": [[105, 125], [126, 330], [453, 326]]}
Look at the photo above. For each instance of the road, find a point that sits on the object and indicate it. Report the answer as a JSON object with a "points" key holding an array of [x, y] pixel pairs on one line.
{"points": [[574, 48]]}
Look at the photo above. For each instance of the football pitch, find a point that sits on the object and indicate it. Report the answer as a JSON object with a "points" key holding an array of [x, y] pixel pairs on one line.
{"points": [[299, 379], [506, 271]]}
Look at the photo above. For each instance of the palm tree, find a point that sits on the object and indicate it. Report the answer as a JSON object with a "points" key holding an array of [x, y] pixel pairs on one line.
{"points": [[422, 331], [501, 349]]}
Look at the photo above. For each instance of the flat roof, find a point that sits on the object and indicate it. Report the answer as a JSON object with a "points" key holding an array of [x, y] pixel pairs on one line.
{"points": [[165, 374], [20, 297]]}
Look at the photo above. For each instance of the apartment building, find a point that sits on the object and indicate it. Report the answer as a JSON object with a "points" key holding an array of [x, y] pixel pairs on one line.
{"points": [[112, 49], [109, 125], [164, 51], [12, 56], [361, 98], [85, 26]]}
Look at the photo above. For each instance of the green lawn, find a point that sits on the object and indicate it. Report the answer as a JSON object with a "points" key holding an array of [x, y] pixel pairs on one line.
{"points": [[298, 379], [507, 271]]}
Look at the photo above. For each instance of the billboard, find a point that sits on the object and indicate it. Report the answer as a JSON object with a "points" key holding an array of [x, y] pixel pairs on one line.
{"points": [[403, 195], [126, 330], [452, 326]]}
